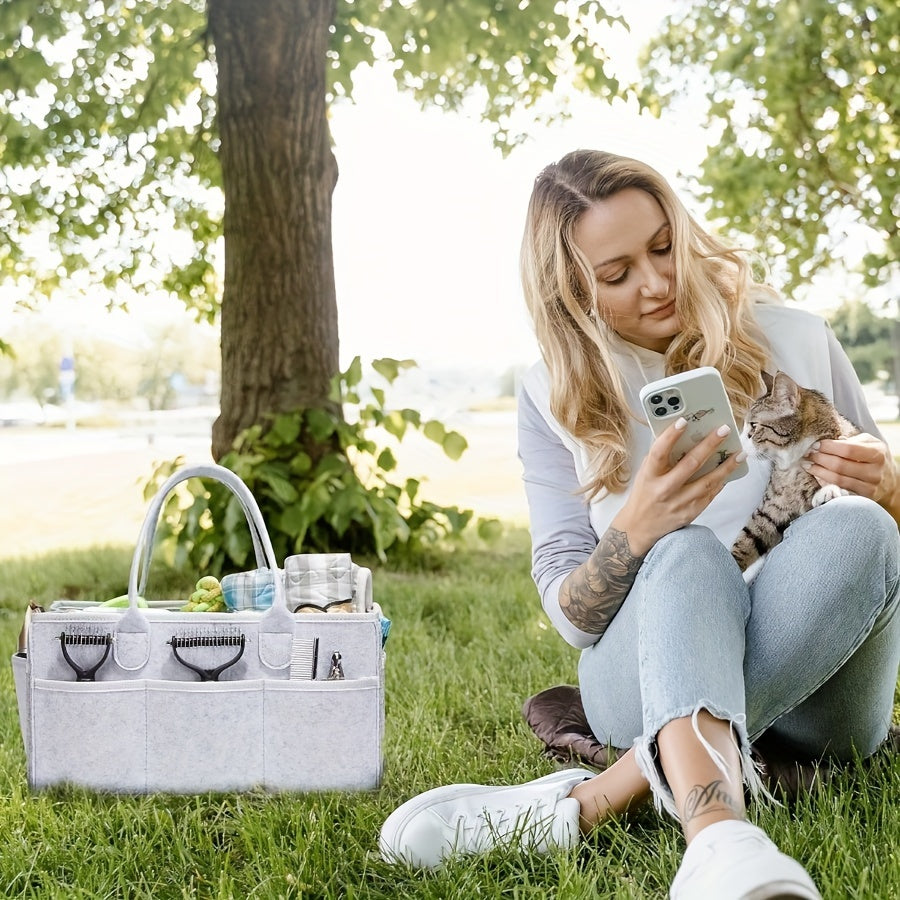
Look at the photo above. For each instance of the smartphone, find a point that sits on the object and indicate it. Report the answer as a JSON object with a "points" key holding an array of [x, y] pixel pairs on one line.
{"points": [[698, 395]]}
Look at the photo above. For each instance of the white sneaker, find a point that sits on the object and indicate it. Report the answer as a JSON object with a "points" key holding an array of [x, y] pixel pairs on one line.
{"points": [[734, 860], [472, 818]]}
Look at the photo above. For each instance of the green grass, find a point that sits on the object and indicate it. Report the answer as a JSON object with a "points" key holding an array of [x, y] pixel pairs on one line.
{"points": [[468, 645]]}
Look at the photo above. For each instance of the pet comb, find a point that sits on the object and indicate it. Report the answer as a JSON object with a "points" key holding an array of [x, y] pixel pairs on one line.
{"points": [[85, 639], [304, 657], [194, 641]]}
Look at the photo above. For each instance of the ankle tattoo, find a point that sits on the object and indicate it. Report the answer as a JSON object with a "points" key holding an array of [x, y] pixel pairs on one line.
{"points": [[704, 799]]}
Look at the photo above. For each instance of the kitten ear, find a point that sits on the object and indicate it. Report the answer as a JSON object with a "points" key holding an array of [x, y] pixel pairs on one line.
{"points": [[768, 381], [785, 388]]}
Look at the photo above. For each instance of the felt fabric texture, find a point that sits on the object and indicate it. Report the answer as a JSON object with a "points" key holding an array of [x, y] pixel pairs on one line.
{"points": [[557, 718], [269, 722]]}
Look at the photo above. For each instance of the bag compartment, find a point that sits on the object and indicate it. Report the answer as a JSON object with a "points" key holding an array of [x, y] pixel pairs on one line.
{"points": [[323, 735], [143, 736], [355, 636], [204, 736], [93, 734]]}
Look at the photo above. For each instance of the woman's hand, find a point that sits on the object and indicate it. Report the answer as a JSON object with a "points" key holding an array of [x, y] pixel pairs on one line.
{"points": [[862, 464], [662, 499]]}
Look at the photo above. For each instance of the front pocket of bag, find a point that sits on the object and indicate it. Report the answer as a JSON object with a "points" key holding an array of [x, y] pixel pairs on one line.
{"points": [[204, 735], [323, 735], [91, 734]]}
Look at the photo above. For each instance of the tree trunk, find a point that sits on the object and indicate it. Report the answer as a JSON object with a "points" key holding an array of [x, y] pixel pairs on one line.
{"points": [[279, 311]]}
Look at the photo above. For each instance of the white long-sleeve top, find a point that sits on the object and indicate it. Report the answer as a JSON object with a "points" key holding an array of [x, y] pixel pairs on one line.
{"points": [[565, 528]]}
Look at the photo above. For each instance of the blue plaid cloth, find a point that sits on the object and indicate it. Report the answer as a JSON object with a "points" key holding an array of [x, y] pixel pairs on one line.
{"points": [[249, 590]]}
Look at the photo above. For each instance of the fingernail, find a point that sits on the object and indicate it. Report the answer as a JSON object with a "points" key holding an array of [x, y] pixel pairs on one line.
{"points": [[815, 446], [680, 423], [723, 430], [806, 465], [741, 456]]}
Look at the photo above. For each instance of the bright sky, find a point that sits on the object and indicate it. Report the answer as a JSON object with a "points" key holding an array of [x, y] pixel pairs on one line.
{"points": [[428, 219], [428, 216]]}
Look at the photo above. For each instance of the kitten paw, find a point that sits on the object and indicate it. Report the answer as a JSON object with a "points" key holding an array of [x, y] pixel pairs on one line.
{"points": [[828, 492]]}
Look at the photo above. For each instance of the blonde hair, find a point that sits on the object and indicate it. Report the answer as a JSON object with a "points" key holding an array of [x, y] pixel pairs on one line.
{"points": [[714, 294]]}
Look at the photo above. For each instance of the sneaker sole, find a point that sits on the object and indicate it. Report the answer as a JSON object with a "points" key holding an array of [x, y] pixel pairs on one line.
{"points": [[396, 821]]}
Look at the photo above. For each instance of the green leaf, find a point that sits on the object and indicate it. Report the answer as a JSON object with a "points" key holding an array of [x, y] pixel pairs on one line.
{"points": [[237, 544], [300, 463], [281, 488], [353, 375], [434, 431], [285, 429], [454, 444], [414, 417], [394, 423], [458, 518], [387, 462], [490, 530], [321, 424], [234, 515], [293, 520], [389, 369]]}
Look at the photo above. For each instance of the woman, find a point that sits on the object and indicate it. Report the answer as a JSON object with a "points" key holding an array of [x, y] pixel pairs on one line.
{"points": [[682, 661]]}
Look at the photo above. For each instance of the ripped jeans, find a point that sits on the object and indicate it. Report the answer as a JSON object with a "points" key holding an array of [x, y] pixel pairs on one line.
{"points": [[808, 652]]}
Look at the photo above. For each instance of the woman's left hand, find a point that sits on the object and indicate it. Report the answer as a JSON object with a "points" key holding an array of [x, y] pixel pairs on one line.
{"points": [[862, 464]]}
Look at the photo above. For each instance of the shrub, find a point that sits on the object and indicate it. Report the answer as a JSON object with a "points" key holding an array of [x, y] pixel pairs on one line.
{"points": [[322, 481]]}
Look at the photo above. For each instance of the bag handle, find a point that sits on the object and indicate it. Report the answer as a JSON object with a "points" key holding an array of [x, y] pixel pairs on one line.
{"points": [[276, 628], [146, 545]]}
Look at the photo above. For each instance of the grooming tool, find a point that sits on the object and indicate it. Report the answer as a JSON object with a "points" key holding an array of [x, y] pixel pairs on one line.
{"points": [[89, 639], [209, 639], [336, 672], [304, 658]]}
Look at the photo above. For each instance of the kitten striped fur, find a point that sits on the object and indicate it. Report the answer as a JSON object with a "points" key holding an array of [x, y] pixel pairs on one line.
{"points": [[784, 423]]}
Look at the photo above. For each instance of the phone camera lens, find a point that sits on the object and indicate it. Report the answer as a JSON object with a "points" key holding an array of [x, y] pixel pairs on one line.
{"points": [[659, 411], [674, 401], [656, 398]]}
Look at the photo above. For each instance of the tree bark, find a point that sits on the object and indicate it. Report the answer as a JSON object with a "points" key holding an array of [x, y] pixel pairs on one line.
{"points": [[279, 310]]}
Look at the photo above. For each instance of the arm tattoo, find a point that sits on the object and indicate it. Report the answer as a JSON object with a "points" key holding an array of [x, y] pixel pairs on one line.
{"points": [[592, 594], [713, 797]]}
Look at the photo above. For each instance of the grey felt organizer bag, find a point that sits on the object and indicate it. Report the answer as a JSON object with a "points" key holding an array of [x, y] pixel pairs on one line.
{"points": [[142, 700]]}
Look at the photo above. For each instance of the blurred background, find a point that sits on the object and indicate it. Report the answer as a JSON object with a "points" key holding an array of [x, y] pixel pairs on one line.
{"points": [[773, 121]]}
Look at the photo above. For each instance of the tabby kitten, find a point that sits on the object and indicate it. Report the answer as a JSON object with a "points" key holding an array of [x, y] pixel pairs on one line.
{"points": [[784, 424]]}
